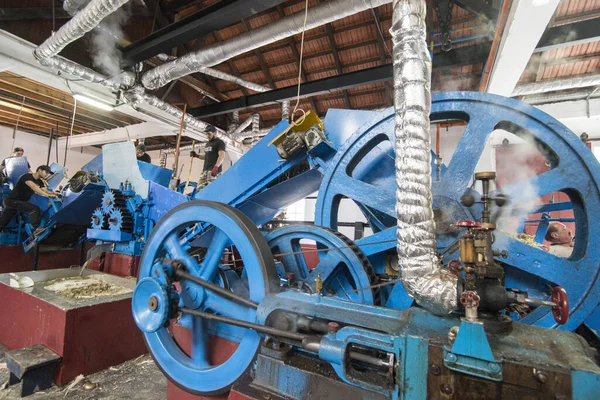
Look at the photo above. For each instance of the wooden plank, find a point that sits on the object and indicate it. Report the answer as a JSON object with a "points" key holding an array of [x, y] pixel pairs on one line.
{"points": [[12, 122], [41, 94], [63, 115], [29, 114], [67, 98]]}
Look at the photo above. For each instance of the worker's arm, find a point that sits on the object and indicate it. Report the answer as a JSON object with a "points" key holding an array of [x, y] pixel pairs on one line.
{"points": [[38, 190], [221, 158]]}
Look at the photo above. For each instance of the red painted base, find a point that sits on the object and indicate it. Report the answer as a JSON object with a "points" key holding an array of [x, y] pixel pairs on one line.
{"points": [[220, 351], [89, 339], [117, 264], [15, 260]]}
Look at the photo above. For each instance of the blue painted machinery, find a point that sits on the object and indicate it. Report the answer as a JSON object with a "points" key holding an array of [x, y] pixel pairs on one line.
{"points": [[64, 218], [347, 328], [125, 217]]}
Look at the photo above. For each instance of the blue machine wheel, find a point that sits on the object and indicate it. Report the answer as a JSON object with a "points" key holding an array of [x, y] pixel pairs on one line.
{"points": [[108, 202], [343, 269], [180, 233], [150, 304], [97, 219], [363, 170]]}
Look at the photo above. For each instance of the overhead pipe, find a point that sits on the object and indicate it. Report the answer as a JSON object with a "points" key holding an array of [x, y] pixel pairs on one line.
{"points": [[559, 97], [285, 110], [83, 22], [557, 84], [238, 132], [318, 15], [430, 285]]}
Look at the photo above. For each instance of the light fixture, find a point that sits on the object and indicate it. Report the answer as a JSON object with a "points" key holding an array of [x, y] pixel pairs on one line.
{"points": [[93, 102]]}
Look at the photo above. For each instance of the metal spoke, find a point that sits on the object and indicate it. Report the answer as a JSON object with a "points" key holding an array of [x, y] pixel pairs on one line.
{"points": [[378, 198], [210, 264], [534, 260], [466, 156], [228, 308], [326, 267], [198, 342], [533, 188]]}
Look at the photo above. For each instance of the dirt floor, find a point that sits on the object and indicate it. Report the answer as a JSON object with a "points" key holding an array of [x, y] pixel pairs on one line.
{"points": [[135, 379]]}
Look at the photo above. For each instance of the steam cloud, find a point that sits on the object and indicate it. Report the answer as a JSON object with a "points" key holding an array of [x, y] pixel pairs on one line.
{"points": [[105, 54]]}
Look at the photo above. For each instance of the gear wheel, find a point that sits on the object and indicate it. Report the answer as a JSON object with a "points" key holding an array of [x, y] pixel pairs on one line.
{"points": [[351, 269], [112, 199], [98, 219], [120, 220]]}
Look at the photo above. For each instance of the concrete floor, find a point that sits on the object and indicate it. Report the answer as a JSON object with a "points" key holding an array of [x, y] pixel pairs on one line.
{"points": [[135, 379]]}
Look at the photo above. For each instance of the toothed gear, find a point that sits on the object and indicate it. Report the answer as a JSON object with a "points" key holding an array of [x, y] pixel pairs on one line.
{"points": [[115, 220], [120, 220], [97, 219], [108, 202]]}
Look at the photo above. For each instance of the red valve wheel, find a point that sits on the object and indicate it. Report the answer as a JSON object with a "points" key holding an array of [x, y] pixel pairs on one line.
{"points": [[454, 267], [561, 309], [465, 223]]}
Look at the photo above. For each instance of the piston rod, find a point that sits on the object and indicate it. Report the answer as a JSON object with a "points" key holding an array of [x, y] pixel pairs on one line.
{"points": [[180, 274], [245, 324]]}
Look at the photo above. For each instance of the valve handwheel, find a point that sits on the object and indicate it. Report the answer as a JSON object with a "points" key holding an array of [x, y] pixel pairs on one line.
{"points": [[561, 309]]}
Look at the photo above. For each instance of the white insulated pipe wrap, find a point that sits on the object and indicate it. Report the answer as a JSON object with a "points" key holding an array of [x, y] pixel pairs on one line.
{"points": [[318, 15], [82, 23], [431, 286]]}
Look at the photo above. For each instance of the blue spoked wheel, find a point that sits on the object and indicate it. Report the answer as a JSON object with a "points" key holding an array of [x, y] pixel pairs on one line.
{"points": [[343, 269], [363, 170], [178, 236]]}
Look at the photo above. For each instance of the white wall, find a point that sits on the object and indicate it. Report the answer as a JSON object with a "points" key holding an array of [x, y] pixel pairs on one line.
{"points": [[36, 150]]}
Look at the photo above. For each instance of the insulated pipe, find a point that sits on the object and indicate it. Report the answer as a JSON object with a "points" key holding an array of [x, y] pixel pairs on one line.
{"points": [[215, 73], [424, 280], [86, 20], [285, 110], [557, 84], [318, 15], [241, 127], [72, 7]]}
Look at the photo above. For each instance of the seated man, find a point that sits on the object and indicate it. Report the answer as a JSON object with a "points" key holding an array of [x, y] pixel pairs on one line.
{"points": [[560, 238], [17, 152], [18, 199]]}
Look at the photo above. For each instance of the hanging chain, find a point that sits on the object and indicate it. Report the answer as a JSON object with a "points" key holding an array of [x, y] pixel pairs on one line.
{"points": [[444, 23]]}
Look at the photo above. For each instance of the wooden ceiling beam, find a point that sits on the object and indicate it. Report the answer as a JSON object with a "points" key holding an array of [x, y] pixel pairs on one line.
{"points": [[45, 111], [42, 96], [32, 89], [26, 115]]}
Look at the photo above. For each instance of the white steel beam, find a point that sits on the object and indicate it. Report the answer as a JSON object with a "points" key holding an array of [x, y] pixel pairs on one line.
{"points": [[525, 25]]}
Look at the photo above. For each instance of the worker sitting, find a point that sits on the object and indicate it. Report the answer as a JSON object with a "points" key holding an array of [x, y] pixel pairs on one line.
{"points": [[140, 152], [560, 238], [18, 199]]}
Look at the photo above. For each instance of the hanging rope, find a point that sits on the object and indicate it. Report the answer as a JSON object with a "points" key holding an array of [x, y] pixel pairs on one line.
{"points": [[301, 119], [16, 127], [70, 132]]}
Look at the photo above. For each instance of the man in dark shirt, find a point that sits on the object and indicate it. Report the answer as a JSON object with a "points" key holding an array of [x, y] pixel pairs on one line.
{"points": [[18, 199], [140, 152], [214, 152], [17, 152]]}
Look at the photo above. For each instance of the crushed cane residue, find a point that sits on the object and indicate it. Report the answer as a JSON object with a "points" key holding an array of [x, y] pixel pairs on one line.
{"points": [[84, 288]]}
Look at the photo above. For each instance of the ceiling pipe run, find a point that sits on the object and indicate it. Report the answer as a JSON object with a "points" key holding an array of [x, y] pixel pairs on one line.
{"points": [[84, 21], [318, 15], [557, 84], [432, 287]]}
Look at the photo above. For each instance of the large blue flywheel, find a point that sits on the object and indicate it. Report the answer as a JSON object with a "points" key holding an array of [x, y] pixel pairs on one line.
{"points": [[363, 171], [178, 236]]}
